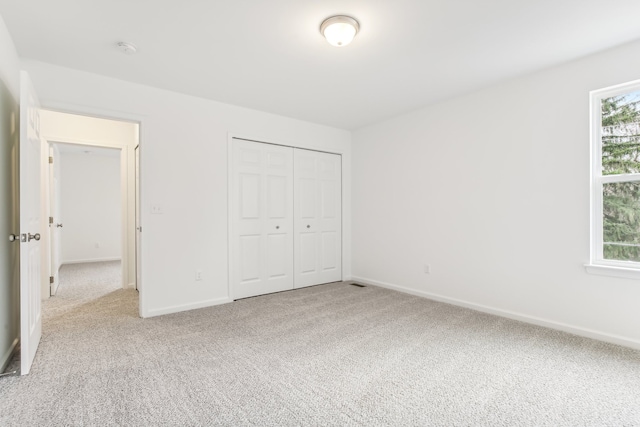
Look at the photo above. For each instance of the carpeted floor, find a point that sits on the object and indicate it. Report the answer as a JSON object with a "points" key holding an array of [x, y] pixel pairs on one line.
{"points": [[328, 355]]}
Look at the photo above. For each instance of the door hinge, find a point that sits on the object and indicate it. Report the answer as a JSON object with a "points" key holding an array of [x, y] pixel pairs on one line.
{"points": [[50, 159], [50, 220], [51, 279]]}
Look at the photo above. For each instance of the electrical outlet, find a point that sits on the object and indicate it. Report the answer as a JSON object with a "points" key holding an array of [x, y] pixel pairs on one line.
{"points": [[427, 269], [198, 275]]}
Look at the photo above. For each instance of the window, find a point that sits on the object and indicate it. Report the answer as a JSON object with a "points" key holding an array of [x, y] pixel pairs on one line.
{"points": [[615, 180]]}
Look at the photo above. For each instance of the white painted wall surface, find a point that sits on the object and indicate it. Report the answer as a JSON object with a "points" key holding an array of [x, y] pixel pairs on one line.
{"points": [[184, 171], [492, 190], [91, 207], [10, 64], [9, 267]]}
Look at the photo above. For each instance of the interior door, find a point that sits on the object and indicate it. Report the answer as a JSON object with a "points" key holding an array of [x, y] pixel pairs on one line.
{"points": [[262, 218], [30, 145], [318, 217], [55, 226]]}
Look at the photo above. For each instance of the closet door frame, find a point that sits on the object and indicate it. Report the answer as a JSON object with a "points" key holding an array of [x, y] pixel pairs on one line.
{"points": [[230, 200]]}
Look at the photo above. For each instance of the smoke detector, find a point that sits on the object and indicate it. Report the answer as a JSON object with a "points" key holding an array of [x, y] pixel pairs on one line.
{"points": [[128, 48]]}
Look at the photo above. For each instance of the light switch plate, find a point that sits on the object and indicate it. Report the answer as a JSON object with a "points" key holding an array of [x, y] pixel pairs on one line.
{"points": [[157, 209]]}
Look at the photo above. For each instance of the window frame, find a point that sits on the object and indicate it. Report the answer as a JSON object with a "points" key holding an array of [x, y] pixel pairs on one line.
{"points": [[598, 264]]}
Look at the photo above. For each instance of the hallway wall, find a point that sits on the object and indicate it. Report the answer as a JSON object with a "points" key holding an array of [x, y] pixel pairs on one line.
{"points": [[90, 202]]}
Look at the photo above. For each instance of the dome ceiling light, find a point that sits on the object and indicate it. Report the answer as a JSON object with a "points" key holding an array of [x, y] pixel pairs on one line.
{"points": [[339, 30]]}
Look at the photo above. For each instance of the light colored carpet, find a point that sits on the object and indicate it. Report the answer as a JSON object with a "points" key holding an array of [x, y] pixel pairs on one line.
{"points": [[327, 355]]}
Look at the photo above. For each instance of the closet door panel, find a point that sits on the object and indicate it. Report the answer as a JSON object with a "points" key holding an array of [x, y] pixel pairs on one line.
{"points": [[307, 252], [262, 219], [318, 218], [330, 241], [250, 258]]}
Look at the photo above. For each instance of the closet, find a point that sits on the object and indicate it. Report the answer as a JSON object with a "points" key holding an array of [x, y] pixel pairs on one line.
{"points": [[286, 218]]}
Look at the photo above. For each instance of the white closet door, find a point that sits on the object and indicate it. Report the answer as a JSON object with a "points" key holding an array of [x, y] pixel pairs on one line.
{"points": [[262, 223], [318, 218]]}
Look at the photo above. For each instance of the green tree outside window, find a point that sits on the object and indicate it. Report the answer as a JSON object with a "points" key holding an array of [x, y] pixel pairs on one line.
{"points": [[621, 155]]}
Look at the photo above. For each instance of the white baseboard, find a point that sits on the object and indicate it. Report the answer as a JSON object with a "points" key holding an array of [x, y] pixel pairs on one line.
{"points": [[130, 285], [6, 357], [185, 307], [83, 261], [576, 330]]}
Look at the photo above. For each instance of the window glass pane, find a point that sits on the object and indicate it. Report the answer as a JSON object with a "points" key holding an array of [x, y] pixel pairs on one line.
{"points": [[621, 134], [621, 225]]}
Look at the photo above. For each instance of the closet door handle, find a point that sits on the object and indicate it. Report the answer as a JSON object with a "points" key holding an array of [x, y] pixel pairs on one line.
{"points": [[308, 226], [277, 227]]}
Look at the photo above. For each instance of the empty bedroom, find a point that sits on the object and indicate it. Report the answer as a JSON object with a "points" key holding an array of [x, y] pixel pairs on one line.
{"points": [[403, 213]]}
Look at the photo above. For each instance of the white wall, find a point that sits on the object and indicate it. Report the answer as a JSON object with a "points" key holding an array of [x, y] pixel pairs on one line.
{"points": [[91, 207], [492, 190], [9, 271], [184, 170]]}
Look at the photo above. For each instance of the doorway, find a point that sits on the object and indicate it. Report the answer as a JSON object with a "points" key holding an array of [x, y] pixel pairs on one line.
{"points": [[86, 229], [90, 203]]}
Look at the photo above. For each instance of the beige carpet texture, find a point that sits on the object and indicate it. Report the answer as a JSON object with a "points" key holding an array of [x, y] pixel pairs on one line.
{"points": [[329, 355]]}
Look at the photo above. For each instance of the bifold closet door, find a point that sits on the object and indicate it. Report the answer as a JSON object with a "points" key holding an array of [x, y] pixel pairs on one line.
{"points": [[318, 218], [262, 223]]}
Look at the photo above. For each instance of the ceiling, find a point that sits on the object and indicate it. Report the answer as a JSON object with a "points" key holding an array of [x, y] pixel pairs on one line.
{"points": [[270, 56], [89, 150]]}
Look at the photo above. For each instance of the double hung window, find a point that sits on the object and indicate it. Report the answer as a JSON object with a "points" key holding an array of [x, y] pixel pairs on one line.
{"points": [[615, 180]]}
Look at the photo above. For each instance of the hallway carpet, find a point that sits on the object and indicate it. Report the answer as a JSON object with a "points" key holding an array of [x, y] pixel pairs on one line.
{"points": [[327, 355]]}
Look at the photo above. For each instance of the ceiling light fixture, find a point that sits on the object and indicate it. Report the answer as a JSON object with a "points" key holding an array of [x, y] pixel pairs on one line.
{"points": [[339, 30], [128, 48]]}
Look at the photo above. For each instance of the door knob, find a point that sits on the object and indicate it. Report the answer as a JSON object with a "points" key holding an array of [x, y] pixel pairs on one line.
{"points": [[308, 226], [14, 237], [277, 227], [59, 225], [35, 237]]}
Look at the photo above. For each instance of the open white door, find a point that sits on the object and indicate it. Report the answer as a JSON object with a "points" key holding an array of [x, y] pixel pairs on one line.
{"points": [[30, 313], [55, 223]]}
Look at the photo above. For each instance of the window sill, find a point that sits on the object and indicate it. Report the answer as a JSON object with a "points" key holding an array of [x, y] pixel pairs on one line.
{"points": [[611, 271]]}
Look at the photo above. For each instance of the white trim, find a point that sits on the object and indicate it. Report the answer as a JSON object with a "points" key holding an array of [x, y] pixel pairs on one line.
{"points": [[130, 285], [615, 90], [6, 357], [613, 271], [186, 307], [612, 179], [230, 230], [583, 332], [84, 261], [262, 140]]}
